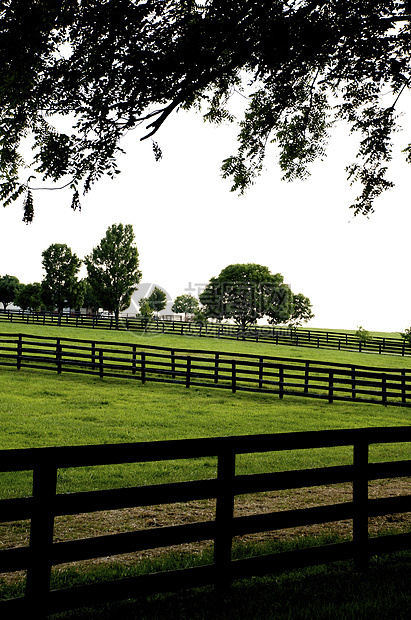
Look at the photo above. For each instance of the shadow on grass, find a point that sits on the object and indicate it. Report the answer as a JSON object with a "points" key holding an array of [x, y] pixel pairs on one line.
{"points": [[335, 591]]}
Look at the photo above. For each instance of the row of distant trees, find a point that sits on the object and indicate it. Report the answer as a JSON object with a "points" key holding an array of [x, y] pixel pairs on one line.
{"points": [[112, 277], [243, 293]]}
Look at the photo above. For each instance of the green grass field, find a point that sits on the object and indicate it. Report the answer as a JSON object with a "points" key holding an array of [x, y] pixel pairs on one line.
{"points": [[210, 344], [40, 408]]}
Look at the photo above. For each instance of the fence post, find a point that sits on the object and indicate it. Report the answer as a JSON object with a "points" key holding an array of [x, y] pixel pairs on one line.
{"points": [[133, 364], [403, 388], [233, 377], [93, 355], [306, 377], [41, 539], [280, 381], [260, 373], [353, 392], [58, 355], [360, 501], [101, 363], [384, 388], [224, 518], [331, 387], [188, 371], [143, 367], [173, 361], [19, 351], [217, 359]]}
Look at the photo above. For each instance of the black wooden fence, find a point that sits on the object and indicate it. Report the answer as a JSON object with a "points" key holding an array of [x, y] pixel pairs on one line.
{"points": [[230, 371], [45, 504], [301, 337]]}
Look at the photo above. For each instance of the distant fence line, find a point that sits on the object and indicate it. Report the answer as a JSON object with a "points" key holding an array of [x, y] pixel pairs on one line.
{"points": [[301, 337], [223, 370], [46, 504]]}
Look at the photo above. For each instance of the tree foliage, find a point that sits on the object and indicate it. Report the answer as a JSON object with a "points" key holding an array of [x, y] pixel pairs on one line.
{"points": [[60, 288], [146, 310], [120, 64], [363, 335], [302, 310], [246, 293], [9, 287], [112, 268], [90, 300], [185, 303], [406, 335], [157, 300], [29, 297]]}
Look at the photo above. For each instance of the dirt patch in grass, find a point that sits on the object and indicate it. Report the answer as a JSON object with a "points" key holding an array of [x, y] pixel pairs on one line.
{"points": [[131, 519]]}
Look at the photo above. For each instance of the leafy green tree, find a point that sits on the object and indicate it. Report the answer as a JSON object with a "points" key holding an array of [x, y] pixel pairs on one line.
{"points": [[406, 335], [112, 269], [200, 317], [9, 286], [280, 305], [90, 300], [185, 303], [60, 287], [146, 309], [246, 293], [302, 310], [29, 297], [302, 65], [157, 300], [363, 335]]}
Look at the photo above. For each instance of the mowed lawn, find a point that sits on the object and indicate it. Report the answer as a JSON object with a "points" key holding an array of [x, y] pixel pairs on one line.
{"points": [[210, 344], [40, 408]]}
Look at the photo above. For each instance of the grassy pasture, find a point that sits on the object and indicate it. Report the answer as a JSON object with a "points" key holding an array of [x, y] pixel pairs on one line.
{"points": [[210, 344], [40, 408]]}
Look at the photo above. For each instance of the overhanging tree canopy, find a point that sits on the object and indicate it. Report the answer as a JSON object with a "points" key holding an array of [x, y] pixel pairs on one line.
{"points": [[120, 64]]}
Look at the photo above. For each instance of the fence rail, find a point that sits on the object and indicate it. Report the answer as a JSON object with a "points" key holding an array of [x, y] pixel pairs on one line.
{"points": [[189, 367], [301, 337], [45, 504]]}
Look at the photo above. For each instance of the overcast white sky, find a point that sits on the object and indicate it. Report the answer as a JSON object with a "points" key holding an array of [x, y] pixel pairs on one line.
{"points": [[189, 226]]}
